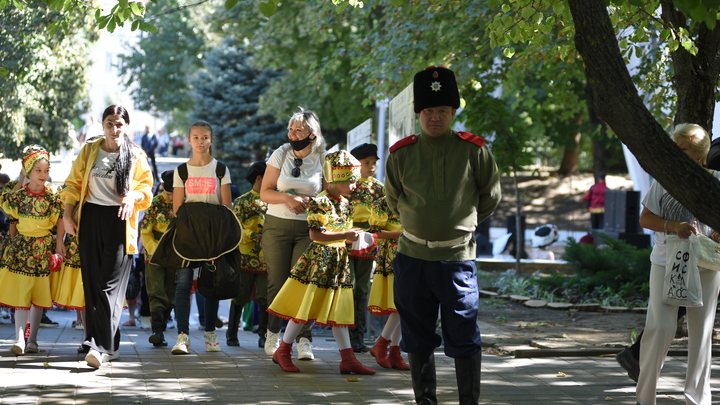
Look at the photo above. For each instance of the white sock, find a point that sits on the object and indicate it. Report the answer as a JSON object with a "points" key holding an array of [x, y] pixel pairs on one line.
{"points": [[21, 318], [291, 331], [35, 317], [392, 323], [342, 337]]}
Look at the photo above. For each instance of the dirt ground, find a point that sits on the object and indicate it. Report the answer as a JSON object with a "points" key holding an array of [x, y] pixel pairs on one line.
{"points": [[510, 325]]}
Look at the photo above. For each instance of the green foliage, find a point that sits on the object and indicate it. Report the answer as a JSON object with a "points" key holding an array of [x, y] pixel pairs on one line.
{"points": [[315, 47], [226, 94], [160, 65], [611, 265], [43, 84]]}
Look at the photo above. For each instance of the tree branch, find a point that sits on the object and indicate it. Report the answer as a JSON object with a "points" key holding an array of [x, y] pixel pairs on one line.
{"points": [[617, 102]]}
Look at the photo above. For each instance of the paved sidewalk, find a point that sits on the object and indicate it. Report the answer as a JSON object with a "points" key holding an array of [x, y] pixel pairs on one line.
{"points": [[245, 375]]}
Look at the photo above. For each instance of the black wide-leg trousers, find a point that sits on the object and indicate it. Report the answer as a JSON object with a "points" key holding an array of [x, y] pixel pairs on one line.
{"points": [[105, 273]]}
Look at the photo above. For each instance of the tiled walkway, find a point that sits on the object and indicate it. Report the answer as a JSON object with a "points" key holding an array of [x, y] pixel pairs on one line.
{"points": [[245, 375]]}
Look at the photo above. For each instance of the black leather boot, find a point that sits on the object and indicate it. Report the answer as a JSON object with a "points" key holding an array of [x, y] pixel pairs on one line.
{"points": [[467, 372], [231, 335], [422, 370], [158, 323], [357, 333], [262, 325]]}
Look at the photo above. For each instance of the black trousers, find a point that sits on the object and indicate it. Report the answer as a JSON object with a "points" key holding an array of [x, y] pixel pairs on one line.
{"points": [[105, 273]]}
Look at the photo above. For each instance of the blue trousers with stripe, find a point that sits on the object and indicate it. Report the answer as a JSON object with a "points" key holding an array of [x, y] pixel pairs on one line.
{"points": [[421, 288]]}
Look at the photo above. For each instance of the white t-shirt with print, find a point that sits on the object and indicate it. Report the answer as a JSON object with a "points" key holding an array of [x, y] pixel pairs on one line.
{"points": [[309, 184], [102, 180], [202, 184]]}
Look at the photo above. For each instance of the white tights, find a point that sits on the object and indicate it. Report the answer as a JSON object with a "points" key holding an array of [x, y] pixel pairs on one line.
{"points": [[22, 316], [392, 331], [341, 335]]}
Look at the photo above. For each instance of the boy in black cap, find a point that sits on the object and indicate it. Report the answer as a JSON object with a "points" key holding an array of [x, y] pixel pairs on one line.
{"points": [[159, 281], [368, 190], [250, 211], [442, 184]]}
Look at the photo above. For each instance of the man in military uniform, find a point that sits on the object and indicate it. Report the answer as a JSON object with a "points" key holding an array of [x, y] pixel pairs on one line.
{"points": [[442, 184]]}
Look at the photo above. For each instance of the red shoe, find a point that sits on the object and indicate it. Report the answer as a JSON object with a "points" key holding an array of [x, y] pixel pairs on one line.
{"points": [[396, 360], [350, 364], [283, 359], [380, 352]]}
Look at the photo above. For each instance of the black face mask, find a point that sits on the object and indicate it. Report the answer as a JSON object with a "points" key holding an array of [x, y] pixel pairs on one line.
{"points": [[301, 144]]}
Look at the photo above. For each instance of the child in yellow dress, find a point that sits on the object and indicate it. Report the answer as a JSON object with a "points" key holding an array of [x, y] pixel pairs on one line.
{"points": [[30, 254], [319, 287], [387, 227]]}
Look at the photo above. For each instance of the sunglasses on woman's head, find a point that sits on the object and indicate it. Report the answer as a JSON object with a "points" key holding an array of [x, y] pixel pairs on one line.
{"points": [[296, 170]]}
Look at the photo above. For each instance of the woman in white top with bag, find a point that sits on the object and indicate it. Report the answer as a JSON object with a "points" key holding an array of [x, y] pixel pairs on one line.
{"points": [[292, 177], [664, 215]]}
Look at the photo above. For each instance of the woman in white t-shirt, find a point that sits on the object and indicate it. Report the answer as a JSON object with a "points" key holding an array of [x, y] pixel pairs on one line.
{"points": [[664, 215], [202, 185], [292, 177]]}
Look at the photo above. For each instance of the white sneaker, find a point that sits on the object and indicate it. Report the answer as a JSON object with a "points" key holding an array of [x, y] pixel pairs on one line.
{"points": [[79, 326], [94, 359], [211, 342], [145, 322], [110, 357], [182, 345], [305, 350], [272, 342]]}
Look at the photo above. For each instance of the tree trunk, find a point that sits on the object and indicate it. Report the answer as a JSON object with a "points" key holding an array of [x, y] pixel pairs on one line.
{"points": [[570, 158], [695, 76], [617, 102]]}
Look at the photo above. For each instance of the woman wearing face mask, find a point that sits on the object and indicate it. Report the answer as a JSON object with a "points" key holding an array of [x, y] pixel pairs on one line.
{"points": [[292, 177]]}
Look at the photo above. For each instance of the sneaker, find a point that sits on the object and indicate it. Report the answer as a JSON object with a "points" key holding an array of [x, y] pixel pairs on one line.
{"points": [[94, 359], [145, 322], [182, 346], [31, 347], [627, 361], [272, 342], [18, 348], [79, 326], [211, 342], [305, 350], [46, 322], [110, 357], [171, 324]]}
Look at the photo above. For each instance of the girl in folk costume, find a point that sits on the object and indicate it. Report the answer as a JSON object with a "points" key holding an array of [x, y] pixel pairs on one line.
{"points": [[68, 289], [387, 227], [319, 287], [25, 281]]}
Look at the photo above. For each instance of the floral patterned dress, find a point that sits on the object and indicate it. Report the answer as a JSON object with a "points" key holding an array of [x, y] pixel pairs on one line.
{"points": [[381, 300], [250, 211], [25, 275], [367, 192], [68, 291], [319, 287]]}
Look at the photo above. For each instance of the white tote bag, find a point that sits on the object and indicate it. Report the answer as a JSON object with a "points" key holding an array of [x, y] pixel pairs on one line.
{"points": [[682, 278]]}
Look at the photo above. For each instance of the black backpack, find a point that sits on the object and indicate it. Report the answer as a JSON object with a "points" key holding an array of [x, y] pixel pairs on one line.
{"points": [[219, 278]]}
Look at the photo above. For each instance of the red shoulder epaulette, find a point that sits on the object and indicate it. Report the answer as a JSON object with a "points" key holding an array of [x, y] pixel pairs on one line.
{"points": [[408, 140], [467, 136]]}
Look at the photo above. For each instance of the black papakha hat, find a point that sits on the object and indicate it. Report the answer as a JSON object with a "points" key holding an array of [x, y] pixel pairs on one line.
{"points": [[365, 150], [256, 169], [435, 86], [167, 179]]}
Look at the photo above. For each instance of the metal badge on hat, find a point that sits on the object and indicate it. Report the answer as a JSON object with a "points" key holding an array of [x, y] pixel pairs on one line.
{"points": [[435, 86]]}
